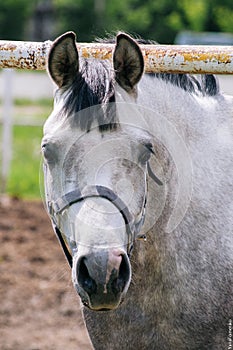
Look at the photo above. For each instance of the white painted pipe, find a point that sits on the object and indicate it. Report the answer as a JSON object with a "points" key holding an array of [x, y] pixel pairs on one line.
{"points": [[158, 58]]}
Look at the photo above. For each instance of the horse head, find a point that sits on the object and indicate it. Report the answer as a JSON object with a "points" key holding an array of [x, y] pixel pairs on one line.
{"points": [[96, 166]]}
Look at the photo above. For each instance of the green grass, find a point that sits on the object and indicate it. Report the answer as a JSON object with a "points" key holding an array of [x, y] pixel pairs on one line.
{"points": [[42, 102], [26, 102], [23, 181]]}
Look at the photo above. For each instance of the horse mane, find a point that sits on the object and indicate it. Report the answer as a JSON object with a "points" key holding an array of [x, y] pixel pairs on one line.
{"points": [[205, 84]]}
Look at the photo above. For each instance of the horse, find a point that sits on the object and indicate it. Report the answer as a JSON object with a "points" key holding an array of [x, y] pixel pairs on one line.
{"points": [[138, 173]]}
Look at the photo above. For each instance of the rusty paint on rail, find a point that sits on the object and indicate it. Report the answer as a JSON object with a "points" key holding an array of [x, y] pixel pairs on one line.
{"points": [[158, 58], [97, 51], [188, 59], [24, 55]]}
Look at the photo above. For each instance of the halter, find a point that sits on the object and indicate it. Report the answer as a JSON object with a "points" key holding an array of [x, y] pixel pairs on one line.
{"points": [[58, 206]]}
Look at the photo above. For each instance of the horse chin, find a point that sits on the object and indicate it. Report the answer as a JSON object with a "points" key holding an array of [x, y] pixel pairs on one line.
{"points": [[100, 308], [101, 305]]}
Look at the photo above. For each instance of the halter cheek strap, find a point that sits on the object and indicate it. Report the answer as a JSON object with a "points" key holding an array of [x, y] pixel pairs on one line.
{"points": [[63, 245]]}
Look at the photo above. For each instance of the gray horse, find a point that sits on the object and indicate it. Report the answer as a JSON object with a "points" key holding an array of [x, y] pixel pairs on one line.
{"points": [[138, 184]]}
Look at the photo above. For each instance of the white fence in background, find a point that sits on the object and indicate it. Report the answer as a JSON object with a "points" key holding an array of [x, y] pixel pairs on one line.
{"points": [[15, 84], [7, 126], [158, 58]]}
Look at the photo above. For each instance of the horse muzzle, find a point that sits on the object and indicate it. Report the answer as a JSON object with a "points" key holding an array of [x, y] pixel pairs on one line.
{"points": [[102, 277]]}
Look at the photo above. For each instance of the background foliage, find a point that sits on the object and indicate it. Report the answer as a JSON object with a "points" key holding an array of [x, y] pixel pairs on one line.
{"points": [[152, 19], [41, 20]]}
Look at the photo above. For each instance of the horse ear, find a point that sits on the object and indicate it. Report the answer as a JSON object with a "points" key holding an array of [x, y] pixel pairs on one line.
{"points": [[128, 62], [63, 62]]}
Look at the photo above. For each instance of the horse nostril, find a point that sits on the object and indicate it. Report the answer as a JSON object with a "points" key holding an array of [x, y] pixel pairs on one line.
{"points": [[119, 283], [84, 279]]}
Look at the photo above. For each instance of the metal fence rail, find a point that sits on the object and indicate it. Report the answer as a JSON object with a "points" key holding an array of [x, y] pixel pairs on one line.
{"points": [[158, 58]]}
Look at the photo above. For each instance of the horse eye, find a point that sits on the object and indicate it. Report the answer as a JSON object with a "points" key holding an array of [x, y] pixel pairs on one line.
{"points": [[150, 148], [44, 148], [48, 153]]}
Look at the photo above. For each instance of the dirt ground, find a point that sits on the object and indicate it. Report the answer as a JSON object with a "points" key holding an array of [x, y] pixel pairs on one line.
{"points": [[39, 309]]}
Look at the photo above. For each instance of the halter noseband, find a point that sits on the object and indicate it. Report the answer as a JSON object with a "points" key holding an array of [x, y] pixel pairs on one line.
{"points": [[62, 203], [58, 206]]}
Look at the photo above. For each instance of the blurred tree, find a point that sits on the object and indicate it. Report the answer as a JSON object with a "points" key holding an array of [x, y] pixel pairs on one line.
{"points": [[42, 22], [154, 19], [92, 18], [148, 18], [202, 15], [78, 16], [13, 16], [194, 13], [224, 17]]}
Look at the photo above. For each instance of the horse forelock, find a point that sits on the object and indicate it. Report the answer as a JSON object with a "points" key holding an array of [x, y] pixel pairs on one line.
{"points": [[93, 86]]}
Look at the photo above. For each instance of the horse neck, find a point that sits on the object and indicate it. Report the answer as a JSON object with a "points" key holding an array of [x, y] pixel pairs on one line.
{"points": [[203, 125], [168, 102], [192, 114]]}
